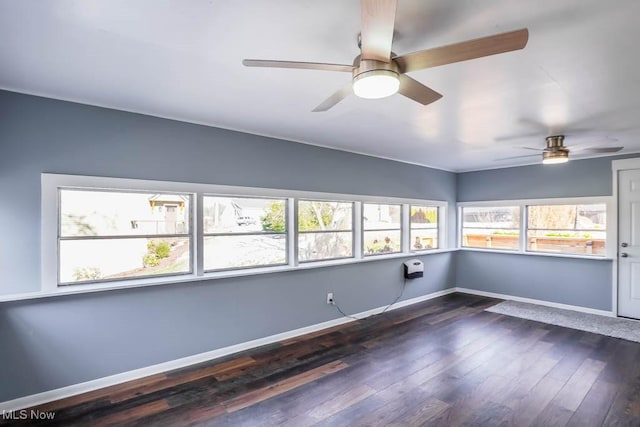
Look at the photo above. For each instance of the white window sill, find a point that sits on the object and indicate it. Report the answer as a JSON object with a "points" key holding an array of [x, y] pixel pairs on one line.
{"points": [[545, 254], [143, 283]]}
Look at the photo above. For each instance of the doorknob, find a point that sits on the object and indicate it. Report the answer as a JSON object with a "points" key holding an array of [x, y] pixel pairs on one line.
{"points": [[624, 245], [624, 254]]}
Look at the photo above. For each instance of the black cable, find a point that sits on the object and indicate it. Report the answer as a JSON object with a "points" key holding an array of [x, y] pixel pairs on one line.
{"points": [[404, 285], [335, 304]]}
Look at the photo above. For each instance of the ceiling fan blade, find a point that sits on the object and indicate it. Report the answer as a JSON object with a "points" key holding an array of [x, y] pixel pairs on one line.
{"points": [[293, 64], [516, 157], [519, 136], [597, 150], [531, 148], [378, 19], [471, 49], [334, 99], [415, 90]]}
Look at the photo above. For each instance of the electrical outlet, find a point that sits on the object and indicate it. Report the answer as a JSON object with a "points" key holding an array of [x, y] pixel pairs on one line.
{"points": [[330, 299]]}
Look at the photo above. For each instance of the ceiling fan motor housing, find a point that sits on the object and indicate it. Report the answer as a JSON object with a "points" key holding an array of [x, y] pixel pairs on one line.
{"points": [[367, 67], [555, 152], [371, 65], [370, 70], [555, 141]]}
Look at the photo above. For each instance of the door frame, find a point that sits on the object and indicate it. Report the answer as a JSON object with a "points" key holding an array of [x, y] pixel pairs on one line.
{"points": [[616, 167]]}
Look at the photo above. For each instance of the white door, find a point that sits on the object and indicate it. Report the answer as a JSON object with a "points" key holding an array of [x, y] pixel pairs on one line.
{"points": [[170, 218], [629, 243]]}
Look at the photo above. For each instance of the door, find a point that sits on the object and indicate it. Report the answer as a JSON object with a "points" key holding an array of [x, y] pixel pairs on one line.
{"points": [[170, 218], [629, 243]]}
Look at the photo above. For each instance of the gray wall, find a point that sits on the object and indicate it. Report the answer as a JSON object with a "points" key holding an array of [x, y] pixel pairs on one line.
{"points": [[586, 283], [581, 282], [53, 342], [588, 177]]}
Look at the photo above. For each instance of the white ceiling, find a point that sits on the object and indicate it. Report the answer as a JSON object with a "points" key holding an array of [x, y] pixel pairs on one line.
{"points": [[578, 75]]}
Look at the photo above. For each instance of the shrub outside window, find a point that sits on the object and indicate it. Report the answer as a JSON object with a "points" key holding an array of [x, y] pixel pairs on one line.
{"points": [[423, 222], [242, 232], [496, 227], [381, 229], [116, 235], [325, 230], [567, 229]]}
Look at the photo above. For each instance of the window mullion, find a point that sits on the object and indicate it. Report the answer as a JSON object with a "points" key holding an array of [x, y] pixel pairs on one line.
{"points": [[524, 223], [441, 229], [357, 230], [459, 223], [197, 232], [127, 236], [406, 231], [292, 231]]}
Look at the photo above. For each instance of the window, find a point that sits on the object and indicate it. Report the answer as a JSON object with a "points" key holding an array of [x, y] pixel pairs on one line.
{"points": [[114, 235], [495, 227], [244, 232], [104, 233], [568, 229], [325, 230], [381, 229], [423, 227], [567, 226]]}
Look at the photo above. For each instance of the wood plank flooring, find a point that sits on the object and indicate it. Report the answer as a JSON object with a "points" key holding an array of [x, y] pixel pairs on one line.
{"points": [[444, 362]]}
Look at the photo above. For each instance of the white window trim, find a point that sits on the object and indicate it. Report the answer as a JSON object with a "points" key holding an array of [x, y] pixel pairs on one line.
{"points": [[522, 204], [360, 219], [203, 235], [439, 229], [50, 183], [355, 210]]}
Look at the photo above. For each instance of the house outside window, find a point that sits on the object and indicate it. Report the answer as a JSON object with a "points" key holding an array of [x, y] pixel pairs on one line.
{"points": [[382, 228], [242, 232], [423, 227], [115, 235]]}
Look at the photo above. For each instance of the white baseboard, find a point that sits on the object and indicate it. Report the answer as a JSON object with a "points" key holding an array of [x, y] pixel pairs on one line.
{"points": [[85, 387], [536, 301]]}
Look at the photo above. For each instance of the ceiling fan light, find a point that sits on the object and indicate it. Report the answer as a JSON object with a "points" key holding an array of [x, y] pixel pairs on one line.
{"points": [[376, 84], [555, 157]]}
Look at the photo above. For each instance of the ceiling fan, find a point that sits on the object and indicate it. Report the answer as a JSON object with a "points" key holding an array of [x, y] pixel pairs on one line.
{"points": [[378, 72], [556, 152]]}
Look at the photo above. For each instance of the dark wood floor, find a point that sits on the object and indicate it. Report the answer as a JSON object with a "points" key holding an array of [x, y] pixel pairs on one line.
{"points": [[445, 362]]}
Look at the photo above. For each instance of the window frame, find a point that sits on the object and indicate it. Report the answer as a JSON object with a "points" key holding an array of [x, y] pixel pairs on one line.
{"points": [[60, 238], [608, 201], [285, 233], [298, 233], [490, 205], [400, 229], [526, 212], [410, 229], [50, 220]]}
